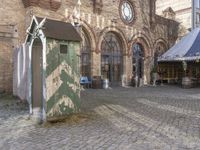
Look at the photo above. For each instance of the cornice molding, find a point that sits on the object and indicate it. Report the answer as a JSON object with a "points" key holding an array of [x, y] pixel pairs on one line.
{"points": [[47, 4]]}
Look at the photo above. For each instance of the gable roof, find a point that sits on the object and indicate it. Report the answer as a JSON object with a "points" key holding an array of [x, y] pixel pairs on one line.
{"points": [[57, 30], [169, 9], [188, 48]]}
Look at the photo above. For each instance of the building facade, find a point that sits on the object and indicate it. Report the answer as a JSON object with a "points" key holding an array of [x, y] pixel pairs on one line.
{"points": [[187, 12], [196, 13], [120, 38]]}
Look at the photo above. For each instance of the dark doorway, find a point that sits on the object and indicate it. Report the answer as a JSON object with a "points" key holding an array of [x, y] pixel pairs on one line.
{"points": [[37, 73]]}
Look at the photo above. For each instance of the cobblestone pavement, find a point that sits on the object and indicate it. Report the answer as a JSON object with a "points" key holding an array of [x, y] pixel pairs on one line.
{"points": [[146, 118]]}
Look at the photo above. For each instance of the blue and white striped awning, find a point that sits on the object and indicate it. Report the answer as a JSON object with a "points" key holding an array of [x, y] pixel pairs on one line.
{"points": [[187, 49]]}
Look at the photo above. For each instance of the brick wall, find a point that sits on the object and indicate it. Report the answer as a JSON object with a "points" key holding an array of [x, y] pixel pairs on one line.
{"points": [[5, 66], [13, 13], [12, 31]]}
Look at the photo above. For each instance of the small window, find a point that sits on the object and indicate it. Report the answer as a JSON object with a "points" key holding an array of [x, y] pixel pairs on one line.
{"points": [[63, 49]]}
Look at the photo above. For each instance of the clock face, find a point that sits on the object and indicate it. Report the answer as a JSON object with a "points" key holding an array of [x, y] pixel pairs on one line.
{"points": [[127, 12]]}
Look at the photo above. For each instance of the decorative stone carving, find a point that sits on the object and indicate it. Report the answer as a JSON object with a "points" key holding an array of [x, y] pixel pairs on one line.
{"points": [[169, 13], [55, 4], [48, 4], [28, 3], [97, 6]]}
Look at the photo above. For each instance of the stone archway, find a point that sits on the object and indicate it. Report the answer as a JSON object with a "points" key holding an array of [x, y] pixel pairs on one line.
{"points": [[144, 41], [112, 46], [144, 60], [111, 58], [90, 33], [120, 35], [160, 47], [88, 47], [116, 68]]}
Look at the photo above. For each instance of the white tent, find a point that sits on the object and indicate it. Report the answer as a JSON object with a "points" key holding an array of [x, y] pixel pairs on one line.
{"points": [[187, 49]]}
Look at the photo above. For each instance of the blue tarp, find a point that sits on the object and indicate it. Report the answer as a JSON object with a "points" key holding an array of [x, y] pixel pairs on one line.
{"points": [[188, 48]]}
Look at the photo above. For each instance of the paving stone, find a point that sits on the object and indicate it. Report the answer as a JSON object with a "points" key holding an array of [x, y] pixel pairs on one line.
{"points": [[165, 117]]}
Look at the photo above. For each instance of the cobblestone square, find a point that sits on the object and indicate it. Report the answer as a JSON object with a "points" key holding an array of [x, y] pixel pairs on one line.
{"points": [[162, 117]]}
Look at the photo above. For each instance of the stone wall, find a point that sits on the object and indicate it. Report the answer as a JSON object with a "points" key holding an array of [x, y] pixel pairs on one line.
{"points": [[183, 10], [12, 33], [5, 66]]}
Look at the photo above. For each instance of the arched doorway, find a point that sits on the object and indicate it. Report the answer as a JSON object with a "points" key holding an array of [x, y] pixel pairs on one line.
{"points": [[111, 58], [85, 55], [37, 82], [138, 63]]}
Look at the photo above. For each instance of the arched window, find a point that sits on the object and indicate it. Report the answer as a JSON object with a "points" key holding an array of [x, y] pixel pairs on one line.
{"points": [[111, 57], [160, 49], [85, 55], [138, 50]]}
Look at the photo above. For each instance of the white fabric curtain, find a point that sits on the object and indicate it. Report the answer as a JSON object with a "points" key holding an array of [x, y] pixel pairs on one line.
{"points": [[20, 73]]}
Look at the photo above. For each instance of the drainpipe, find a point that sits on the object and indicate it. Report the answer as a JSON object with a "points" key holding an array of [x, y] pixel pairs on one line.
{"points": [[193, 14]]}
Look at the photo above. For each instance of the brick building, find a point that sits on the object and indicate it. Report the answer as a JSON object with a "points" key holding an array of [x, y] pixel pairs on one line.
{"points": [[120, 38]]}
